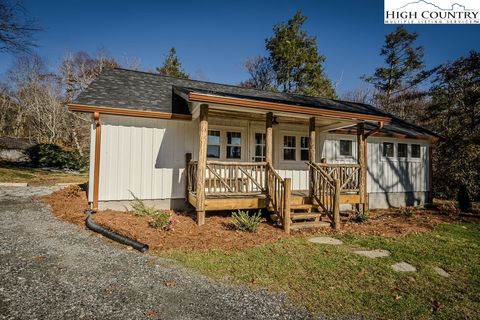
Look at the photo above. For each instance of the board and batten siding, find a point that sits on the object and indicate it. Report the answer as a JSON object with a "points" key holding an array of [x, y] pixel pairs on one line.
{"points": [[147, 157], [144, 156]]}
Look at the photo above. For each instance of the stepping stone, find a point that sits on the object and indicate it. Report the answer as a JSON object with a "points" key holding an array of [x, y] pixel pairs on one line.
{"points": [[404, 267], [326, 240], [441, 272], [377, 253]]}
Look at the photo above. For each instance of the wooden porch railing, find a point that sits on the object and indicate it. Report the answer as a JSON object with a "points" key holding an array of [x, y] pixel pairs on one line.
{"points": [[225, 177], [348, 174], [279, 192]]}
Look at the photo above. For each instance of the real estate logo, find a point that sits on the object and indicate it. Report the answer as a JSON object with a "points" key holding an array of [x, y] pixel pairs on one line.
{"points": [[432, 12]]}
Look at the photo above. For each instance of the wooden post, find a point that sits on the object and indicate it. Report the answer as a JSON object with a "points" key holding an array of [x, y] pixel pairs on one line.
{"points": [[363, 165], [188, 158], [286, 207], [336, 208], [269, 139], [96, 163], [311, 155], [202, 163]]}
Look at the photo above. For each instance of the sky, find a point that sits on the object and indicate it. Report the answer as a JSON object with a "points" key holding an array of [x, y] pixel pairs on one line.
{"points": [[214, 38]]}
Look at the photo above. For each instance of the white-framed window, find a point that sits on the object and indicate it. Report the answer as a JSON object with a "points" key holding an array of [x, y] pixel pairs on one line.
{"points": [[259, 147], [289, 148], [415, 151], [402, 150], [346, 148], [388, 149], [225, 144], [304, 148]]}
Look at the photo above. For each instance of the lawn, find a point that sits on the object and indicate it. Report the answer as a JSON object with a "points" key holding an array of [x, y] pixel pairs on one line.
{"points": [[34, 176], [332, 280]]}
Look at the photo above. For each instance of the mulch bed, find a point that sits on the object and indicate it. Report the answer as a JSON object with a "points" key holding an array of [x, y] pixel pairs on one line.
{"points": [[69, 204]]}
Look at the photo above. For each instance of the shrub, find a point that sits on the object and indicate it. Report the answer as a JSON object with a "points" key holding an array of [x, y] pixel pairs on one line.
{"points": [[161, 220], [361, 217], [463, 199], [448, 209], [141, 209], [51, 155], [245, 222], [408, 211]]}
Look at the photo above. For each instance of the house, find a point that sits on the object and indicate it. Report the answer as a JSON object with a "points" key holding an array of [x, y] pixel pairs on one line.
{"points": [[174, 142]]}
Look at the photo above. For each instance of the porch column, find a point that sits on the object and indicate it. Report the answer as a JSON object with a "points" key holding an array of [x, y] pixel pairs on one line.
{"points": [[311, 154], [269, 139], [202, 163], [361, 158]]}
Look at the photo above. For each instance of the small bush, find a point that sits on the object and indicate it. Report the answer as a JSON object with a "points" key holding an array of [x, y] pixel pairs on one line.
{"points": [[448, 209], [161, 220], [141, 209], [51, 155], [463, 199], [361, 217], [408, 211], [245, 222]]}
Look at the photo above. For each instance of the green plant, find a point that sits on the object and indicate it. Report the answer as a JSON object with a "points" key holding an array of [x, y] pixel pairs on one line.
{"points": [[245, 222], [51, 155], [361, 217], [408, 211], [141, 209], [161, 220]]}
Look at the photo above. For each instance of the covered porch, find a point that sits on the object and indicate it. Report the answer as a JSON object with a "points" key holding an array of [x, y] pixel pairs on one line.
{"points": [[270, 165]]}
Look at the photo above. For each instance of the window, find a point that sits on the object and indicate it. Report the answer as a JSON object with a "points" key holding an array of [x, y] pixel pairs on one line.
{"points": [[388, 149], [289, 148], [304, 148], [259, 147], [234, 145], [402, 151], [346, 148], [415, 150], [213, 144]]}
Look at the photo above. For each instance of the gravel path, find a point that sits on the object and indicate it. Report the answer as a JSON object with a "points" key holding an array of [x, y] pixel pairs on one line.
{"points": [[54, 270]]}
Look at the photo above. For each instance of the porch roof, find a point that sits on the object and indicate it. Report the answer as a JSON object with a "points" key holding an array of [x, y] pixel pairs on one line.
{"points": [[146, 94]]}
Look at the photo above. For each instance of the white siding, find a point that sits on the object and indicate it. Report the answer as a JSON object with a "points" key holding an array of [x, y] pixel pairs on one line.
{"points": [[146, 156]]}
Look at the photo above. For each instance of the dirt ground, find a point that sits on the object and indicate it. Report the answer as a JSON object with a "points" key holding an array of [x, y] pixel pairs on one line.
{"points": [[69, 204]]}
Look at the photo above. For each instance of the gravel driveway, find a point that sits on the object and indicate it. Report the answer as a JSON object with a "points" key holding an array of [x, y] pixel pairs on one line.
{"points": [[53, 270]]}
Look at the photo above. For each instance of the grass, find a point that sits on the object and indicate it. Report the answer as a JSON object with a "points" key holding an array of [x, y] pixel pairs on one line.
{"points": [[331, 280], [34, 176]]}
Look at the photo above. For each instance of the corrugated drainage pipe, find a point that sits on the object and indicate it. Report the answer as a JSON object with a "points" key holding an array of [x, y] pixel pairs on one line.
{"points": [[115, 236]]}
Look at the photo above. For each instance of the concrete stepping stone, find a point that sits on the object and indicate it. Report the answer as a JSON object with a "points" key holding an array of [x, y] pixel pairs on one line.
{"points": [[326, 240], [441, 272], [373, 254], [404, 267]]}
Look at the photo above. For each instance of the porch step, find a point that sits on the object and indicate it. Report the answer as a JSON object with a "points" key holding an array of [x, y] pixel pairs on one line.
{"points": [[305, 206], [310, 224], [305, 216]]}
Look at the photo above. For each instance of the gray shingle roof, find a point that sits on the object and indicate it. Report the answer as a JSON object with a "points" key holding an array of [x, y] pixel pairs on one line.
{"points": [[121, 88]]}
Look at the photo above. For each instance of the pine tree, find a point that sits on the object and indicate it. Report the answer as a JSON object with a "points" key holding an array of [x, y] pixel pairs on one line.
{"points": [[172, 66], [295, 59]]}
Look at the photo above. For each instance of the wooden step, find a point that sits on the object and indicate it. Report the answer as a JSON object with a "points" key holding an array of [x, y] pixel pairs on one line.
{"points": [[311, 224], [305, 206], [305, 216]]}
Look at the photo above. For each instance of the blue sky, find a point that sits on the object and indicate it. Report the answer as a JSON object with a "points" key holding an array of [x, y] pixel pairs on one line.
{"points": [[213, 38]]}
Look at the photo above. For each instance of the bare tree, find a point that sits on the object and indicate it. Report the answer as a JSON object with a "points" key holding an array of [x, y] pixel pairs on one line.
{"points": [[361, 95], [16, 27], [261, 73]]}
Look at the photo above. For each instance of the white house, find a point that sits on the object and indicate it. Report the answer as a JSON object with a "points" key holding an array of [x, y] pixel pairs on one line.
{"points": [[301, 157]]}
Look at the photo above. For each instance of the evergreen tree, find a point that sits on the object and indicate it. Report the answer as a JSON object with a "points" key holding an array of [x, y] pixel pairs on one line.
{"points": [[172, 66], [404, 69], [296, 61]]}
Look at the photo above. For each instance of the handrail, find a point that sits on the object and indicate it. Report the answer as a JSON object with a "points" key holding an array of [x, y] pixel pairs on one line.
{"points": [[278, 192], [347, 173]]}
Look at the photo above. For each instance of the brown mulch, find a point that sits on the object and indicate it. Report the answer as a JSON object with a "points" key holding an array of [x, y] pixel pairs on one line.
{"points": [[217, 233]]}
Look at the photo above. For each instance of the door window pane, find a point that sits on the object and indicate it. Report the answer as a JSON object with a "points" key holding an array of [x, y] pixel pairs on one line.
{"points": [[304, 148], [234, 142], [346, 148], [259, 147], [213, 144], [402, 151], [388, 149], [289, 148], [415, 150]]}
